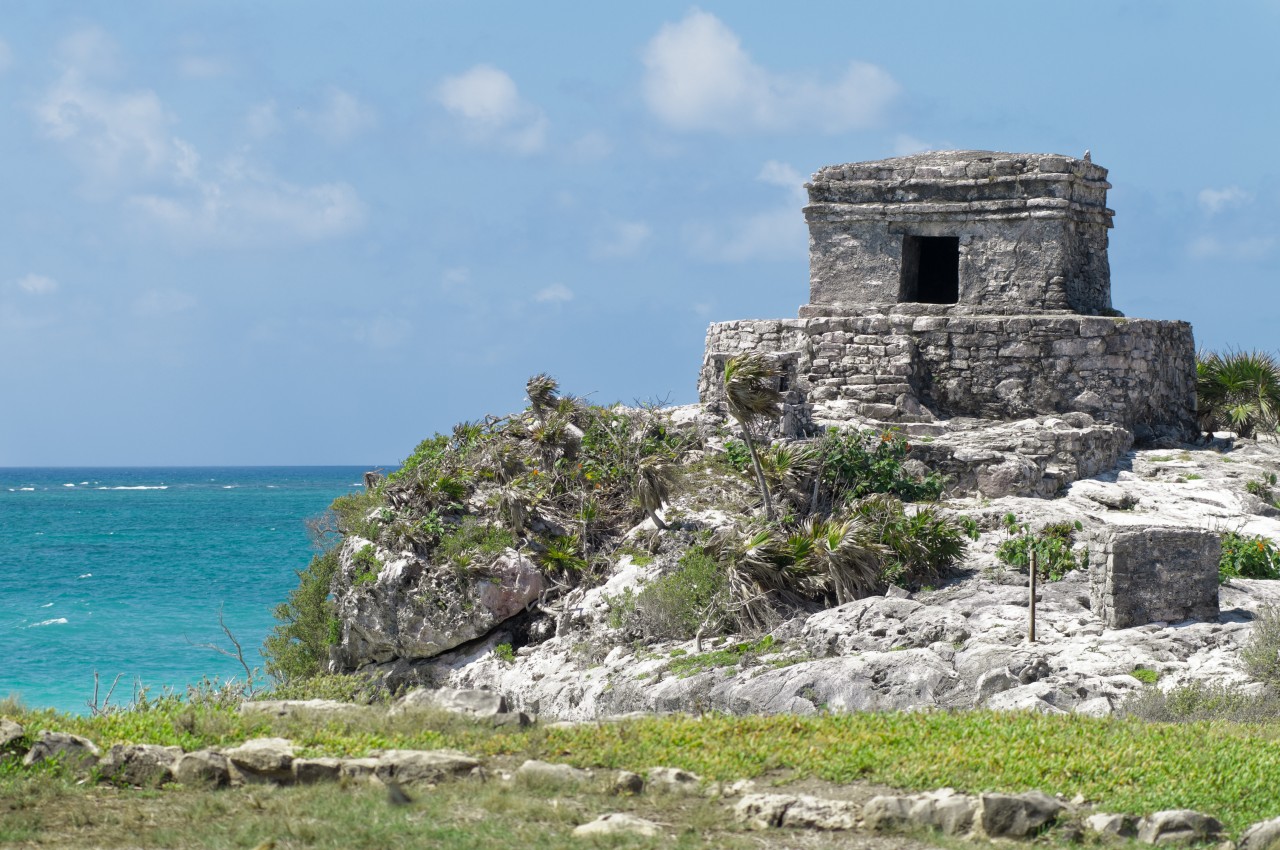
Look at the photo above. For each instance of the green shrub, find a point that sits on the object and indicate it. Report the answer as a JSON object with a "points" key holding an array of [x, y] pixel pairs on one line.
{"points": [[505, 652], [334, 686], [1201, 701], [678, 604], [1238, 391], [1145, 676], [920, 546], [474, 540], [298, 648], [367, 565], [1052, 545], [737, 456], [1247, 557], [1261, 653], [1262, 487], [860, 463]]}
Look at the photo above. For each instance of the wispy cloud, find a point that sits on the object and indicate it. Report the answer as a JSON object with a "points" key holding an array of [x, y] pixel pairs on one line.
{"points": [[1214, 201], [160, 303], [1245, 249], [341, 117], [621, 239], [556, 293], [6, 56], [770, 234], [37, 284], [125, 145], [698, 77], [486, 102]]}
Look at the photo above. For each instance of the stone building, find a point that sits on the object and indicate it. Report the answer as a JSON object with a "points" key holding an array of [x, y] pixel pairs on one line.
{"points": [[965, 283]]}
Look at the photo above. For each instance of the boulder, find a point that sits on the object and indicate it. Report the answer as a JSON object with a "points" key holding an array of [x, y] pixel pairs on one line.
{"points": [[79, 755], [1262, 836], [1178, 826], [1015, 815], [313, 771], [673, 779], [263, 759], [425, 766], [415, 610], [203, 769], [546, 773], [1111, 827], [12, 737], [944, 810], [145, 765], [796, 811], [626, 782], [618, 823]]}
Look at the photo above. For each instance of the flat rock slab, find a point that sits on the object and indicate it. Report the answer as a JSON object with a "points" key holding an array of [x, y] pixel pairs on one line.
{"points": [[796, 811], [425, 766], [618, 823], [470, 701], [264, 758], [546, 773], [1262, 836], [1015, 815]]}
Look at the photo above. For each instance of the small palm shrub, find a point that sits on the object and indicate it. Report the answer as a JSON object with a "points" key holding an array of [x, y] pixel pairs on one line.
{"points": [[856, 464], [1238, 391], [1248, 557], [752, 396], [919, 546], [1052, 545]]}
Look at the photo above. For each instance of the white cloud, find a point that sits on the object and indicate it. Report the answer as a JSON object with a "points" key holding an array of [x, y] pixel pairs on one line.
{"points": [[341, 118], [6, 56], [124, 142], [698, 77], [455, 277], [37, 284], [1248, 248], [771, 234], [1215, 201], [556, 293], [263, 120], [158, 303], [621, 239], [203, 67], [489, 106], [383, 332]]}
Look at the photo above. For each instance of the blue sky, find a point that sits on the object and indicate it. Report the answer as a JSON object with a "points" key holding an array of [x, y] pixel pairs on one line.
{"points": [[296, 233]]}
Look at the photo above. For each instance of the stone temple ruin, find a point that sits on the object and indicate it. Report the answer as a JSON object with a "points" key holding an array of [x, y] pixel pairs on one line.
{"points": [[965, 297], [965, 284]]}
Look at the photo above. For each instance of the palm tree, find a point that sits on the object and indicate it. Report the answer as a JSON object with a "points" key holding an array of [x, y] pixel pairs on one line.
{"points": [[541, 389], [846, 551], [751, 393], [1239, 390], [654, 481]]}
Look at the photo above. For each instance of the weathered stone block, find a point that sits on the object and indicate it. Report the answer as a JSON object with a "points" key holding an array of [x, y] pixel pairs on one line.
{"points": [[1147, 574]]}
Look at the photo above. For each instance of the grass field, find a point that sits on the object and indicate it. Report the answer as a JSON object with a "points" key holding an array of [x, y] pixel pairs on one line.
{"points": [[1121, 765]]}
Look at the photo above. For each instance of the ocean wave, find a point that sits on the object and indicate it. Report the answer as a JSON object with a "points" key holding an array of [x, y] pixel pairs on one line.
{"points": [[85, 575], [68, 485], [47, 605], [27, 489], [139, 487], [56, 621], [230, 486]]}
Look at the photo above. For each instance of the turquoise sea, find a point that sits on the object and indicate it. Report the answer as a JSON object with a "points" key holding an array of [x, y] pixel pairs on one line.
{"points": [[124, 570]]}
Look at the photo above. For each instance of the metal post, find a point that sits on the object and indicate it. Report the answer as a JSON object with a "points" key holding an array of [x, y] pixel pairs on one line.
{"points": [[1031, 624]]}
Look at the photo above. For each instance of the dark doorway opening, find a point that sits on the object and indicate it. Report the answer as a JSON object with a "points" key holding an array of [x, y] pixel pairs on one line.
{"points": [[930, 269]]}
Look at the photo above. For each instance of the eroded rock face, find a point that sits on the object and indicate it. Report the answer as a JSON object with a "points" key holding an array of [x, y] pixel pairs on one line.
{"points": [[410, 609], [146, 765], [78, 754]]}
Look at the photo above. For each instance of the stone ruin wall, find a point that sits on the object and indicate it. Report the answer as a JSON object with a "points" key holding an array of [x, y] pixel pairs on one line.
{"points": [[1138, 373], [1032, 230]]}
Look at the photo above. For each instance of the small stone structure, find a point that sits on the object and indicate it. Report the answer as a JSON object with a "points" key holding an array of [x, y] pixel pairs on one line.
{"points": [[965, 283], [1148, 574]]}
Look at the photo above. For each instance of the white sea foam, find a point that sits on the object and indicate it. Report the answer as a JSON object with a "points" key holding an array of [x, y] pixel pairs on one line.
{"points": [[84, 482], [138, 487], [68, 485], [47, 605], [27, 489], [56, 621], [230, 486], [85, 575]]}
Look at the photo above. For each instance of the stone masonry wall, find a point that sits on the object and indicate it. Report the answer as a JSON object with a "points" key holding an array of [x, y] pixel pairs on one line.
{"points": [[1148, 574], [1138, 373]]}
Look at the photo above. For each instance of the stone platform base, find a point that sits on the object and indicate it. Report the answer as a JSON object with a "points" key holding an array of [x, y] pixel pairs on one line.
{"points": [[896, 366]]}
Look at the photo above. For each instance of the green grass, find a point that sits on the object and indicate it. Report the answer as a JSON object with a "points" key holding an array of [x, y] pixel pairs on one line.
{"points": [[1147, 677], [1125, 765], [683, 665]]}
